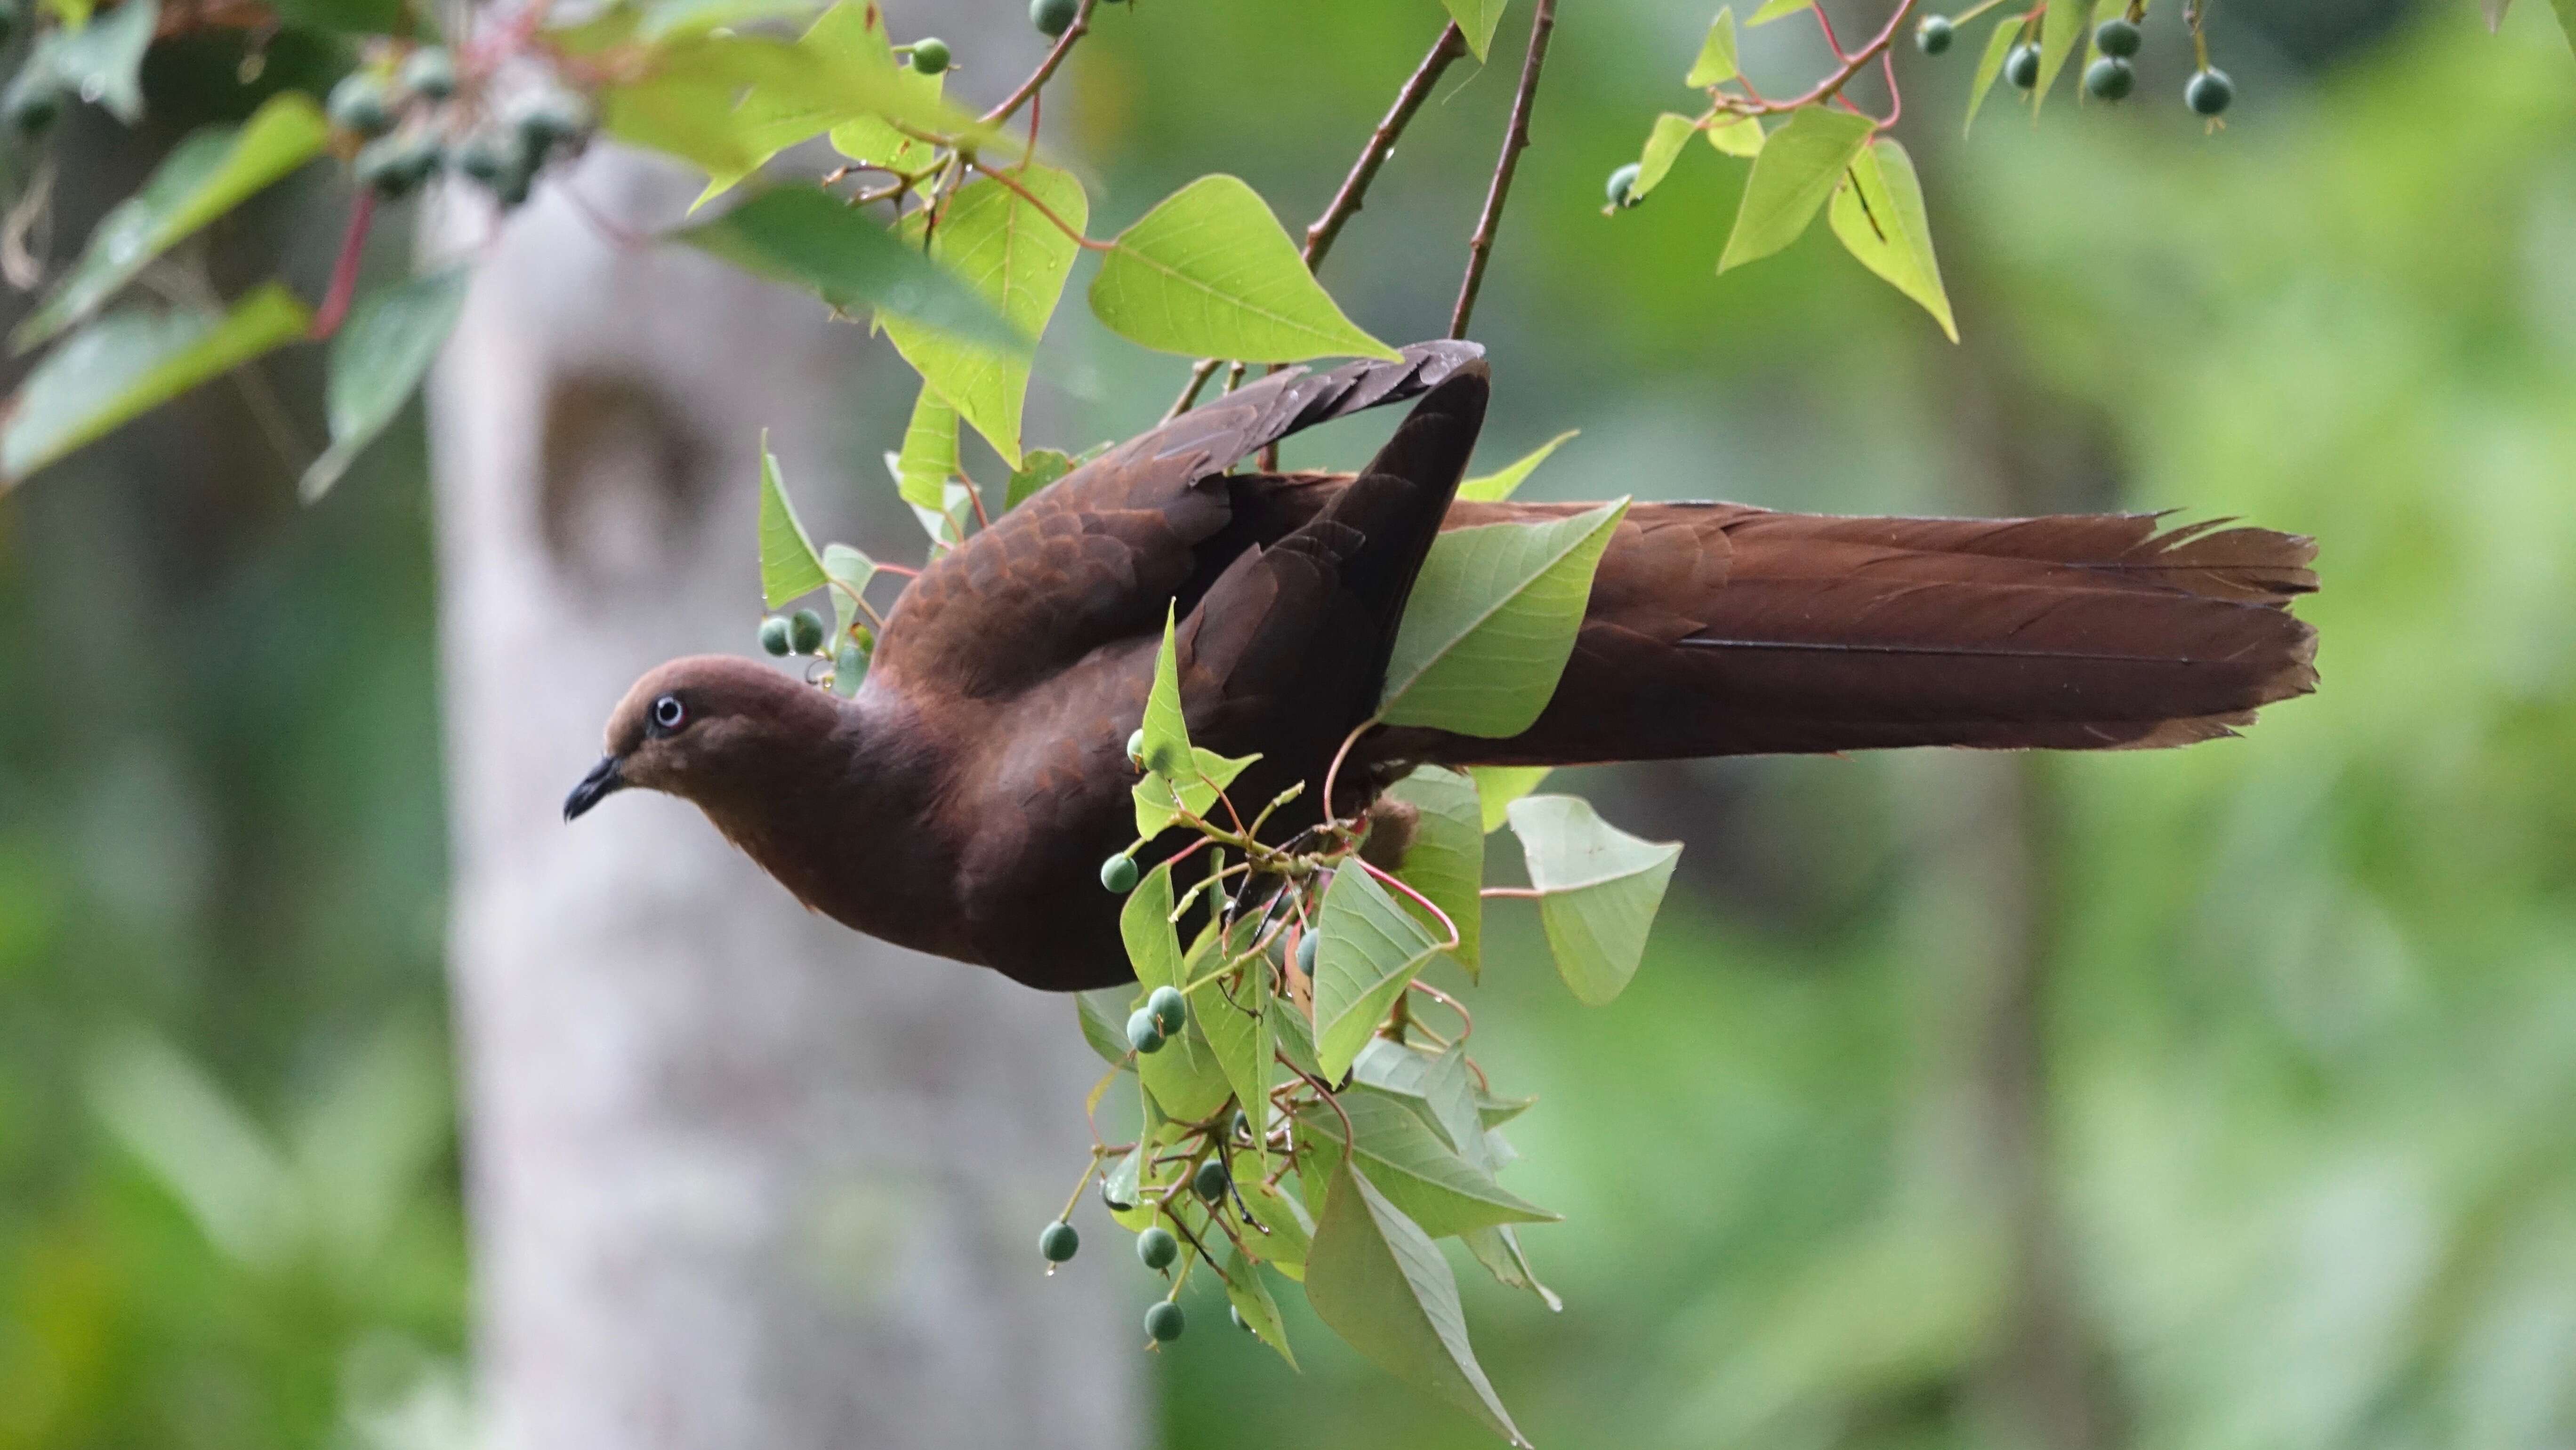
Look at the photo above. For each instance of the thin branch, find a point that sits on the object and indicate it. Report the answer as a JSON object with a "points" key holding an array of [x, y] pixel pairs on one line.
{"points": [[1044, 210], [1381, 143], [1080, 27], [1516, 139], [344, 271], [1832, 85]]}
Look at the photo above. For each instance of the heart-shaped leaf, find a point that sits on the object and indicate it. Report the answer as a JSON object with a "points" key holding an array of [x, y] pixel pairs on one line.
{"points": [[1598, 891], [1796, 172], [1492, 622], [378, 358], [1369, 950], [1210, 273]]}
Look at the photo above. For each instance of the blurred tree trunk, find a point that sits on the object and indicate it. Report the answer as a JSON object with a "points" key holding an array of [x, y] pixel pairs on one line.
{"points": [[738, 1177]]}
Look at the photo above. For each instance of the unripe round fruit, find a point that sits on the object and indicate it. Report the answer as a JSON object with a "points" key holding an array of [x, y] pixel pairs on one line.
{"points": [[1052, 16], [805, 631], [1306, 951], [1058, 1242], [430, 72], [393, 165], [553, 118], [32, 106], [2116, 36], [1933, 34], [2021, 66], [1118, 875], [1142, 1034], [930, 55], [1171, 1011], [1136, 746], [1211, 1180], [1622, 186], [359, 104], [2209, 92], [1157, 1248], [773, 630], [2109, 78], [1242, 1125], [1165, 1321]]}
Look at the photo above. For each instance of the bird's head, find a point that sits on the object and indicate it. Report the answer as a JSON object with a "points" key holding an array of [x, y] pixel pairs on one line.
{"points": [[709, 729]]}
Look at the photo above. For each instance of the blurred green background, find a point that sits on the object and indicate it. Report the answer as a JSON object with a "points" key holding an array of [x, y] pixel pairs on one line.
{"points": [[2214, 1099]]}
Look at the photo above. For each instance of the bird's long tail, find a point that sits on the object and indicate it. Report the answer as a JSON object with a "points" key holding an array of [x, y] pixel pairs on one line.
{"points": [[1716, 629]]}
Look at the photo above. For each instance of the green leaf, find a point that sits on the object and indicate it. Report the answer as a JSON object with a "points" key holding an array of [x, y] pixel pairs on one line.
{"points": [[1038, 468], [1295, 1035], [849, 667], [131, 361], [1492, 622], [788, 566], [1185, 1078], [1773, 9], [1716, 63], [1104, 1022], [377, 361], [102, 61], [1446, 861], [1233, 1014], [1209, 273], [928, 462], [1251, 1299], [1420, 1174], [1370, 949], [1291, 1233], [1990, 65], [1878, 214], [1499, 1250], [1739, 137], [214, 170], [1374, 1278], [804, 236], [846, 42], [1495, 487], [1792, 177], [1497, 786], [1161, 799], [1003, 246], [1671, 133], [1476, 20], [2060, 27], [849, 572], [1167, 734], [343, 17], [1598, 891], [2566, 19]]}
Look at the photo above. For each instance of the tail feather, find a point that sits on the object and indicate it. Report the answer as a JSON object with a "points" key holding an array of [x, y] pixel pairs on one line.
{"points": [[1715, 629]]}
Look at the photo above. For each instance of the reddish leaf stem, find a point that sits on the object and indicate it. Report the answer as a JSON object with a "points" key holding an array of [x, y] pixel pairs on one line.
{"points": [[344, 272], [1063, 47]]}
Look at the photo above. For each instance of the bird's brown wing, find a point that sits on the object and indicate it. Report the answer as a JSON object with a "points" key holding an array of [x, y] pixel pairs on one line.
{"points": [[1093, 559]]}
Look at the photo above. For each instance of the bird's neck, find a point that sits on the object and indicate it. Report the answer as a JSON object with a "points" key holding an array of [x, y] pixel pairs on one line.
{"points": [[846, 824]]}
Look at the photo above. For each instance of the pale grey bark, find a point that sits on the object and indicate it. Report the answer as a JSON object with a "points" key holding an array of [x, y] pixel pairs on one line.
{"points": [[737, 1176]]}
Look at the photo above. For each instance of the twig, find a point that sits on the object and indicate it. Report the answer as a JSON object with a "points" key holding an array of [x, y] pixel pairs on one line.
{"points": [[1044, 210], [1833, 84], [1516, 139], [1080, 27], [1381, 143], [344, 272]]}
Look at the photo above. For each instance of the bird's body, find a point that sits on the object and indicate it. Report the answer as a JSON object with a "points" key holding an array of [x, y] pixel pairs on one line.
{"points": [[963, 801]]}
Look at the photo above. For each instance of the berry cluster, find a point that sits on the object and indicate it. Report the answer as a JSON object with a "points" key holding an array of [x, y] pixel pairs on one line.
{"points": [[412, 122], [800, 633], [2109, 78]]}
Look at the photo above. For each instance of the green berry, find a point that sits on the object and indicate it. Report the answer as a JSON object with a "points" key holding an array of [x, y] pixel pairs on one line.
{"points": [[2109, 78], [553, 118], [1242, 1126], [1157, 1248], [1933, 34], [1239, 1321], [1136, 746], [1211, 1180], [360, 104], [2021, 66], [2209, 92], [1118, 875], [774, 636], [1051, 17], [1171, 1011], [431, 72], [1306, 951], [395, 165], [1622, 186], [1165, 1321], [930, 55], [33, 103], [805, 632], [1058, 1242], [487, 156], [1142, 1034], [1110, 1200], [2116, 36]]}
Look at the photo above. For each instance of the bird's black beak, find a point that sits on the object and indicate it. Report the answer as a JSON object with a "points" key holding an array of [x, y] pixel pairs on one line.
{"points": [[604, 780]]}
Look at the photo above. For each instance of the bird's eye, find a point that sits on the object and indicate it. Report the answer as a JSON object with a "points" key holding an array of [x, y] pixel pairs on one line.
{"points": [[669, 714]]}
